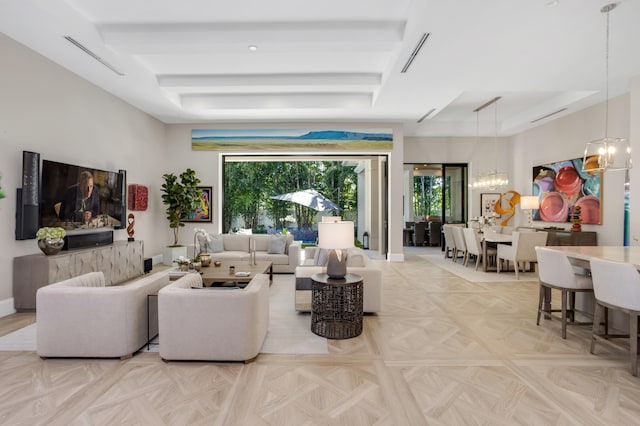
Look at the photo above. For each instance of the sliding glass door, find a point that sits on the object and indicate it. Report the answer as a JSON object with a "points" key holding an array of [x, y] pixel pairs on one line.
{"points": [[454, 207], [438, 190]]}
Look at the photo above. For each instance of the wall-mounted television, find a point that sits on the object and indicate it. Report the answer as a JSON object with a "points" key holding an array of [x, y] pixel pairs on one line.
{"points": [[76, 197]]}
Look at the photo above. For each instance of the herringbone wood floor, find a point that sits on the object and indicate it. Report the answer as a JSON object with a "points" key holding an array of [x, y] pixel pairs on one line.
{"points": [[443, 351]]}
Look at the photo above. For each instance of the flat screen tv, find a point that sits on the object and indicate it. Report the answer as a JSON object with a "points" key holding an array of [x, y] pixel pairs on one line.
{"points": [[75, 197]]}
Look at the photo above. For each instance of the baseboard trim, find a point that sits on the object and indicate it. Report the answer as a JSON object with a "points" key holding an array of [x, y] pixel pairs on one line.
{"points": [[6, 307], [395, 257]]}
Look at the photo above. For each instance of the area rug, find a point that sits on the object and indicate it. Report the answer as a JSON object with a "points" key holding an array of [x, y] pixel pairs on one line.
{"points": [[470, 274], [23, 339], [289, 331]]}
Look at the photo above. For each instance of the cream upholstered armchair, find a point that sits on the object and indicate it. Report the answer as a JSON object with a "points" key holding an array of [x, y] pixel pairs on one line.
{"points": [[81, 317], [213, 324], [522, 249]]}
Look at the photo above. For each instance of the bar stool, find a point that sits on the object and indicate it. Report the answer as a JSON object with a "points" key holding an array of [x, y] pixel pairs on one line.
{"points": [[555, 271], [616, 286]]}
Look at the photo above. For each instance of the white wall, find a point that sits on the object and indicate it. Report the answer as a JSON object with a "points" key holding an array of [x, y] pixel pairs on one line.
{"points": [[634, 138], [561, 139], [564, 139], [207, 165], [46, 109], [481, 154]]}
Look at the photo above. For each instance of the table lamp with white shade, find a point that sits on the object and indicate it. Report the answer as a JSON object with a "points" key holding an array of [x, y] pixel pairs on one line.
{"points": [[336, 236], [530, 202]]}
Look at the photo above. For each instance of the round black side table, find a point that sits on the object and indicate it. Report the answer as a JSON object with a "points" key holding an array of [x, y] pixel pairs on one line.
{"points": [[336, 306]]}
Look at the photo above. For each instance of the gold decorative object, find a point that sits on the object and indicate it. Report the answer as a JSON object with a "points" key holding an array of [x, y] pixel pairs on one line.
{"points": [[205, 258]]}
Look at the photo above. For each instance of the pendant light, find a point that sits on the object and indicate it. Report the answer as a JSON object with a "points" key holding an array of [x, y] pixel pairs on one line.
{"points": [[607, 154], [492, 179]]}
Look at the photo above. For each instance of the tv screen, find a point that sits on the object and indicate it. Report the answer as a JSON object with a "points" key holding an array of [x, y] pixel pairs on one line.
{"points": [[75, 197]]}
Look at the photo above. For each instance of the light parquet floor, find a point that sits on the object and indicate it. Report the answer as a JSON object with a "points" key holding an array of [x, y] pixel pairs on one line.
{"points": [[444, 351]]}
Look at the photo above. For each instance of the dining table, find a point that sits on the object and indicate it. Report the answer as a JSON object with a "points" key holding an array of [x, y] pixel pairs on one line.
{"points": [[581, 255], [492, 238]]}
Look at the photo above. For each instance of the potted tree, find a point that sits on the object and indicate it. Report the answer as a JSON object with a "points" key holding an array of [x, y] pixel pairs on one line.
{"points": [[181, 195]]}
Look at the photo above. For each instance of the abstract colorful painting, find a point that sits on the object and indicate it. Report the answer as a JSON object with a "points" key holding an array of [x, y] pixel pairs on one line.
{"points": [[563, 186], [203, 212], [291, 140]]}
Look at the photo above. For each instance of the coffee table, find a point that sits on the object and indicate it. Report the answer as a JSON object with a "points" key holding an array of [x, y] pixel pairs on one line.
{"points": [[220, 274]]}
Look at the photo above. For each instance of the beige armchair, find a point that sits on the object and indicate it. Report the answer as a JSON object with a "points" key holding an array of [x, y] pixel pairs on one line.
{"points": [[81, 317], [213, 324]]}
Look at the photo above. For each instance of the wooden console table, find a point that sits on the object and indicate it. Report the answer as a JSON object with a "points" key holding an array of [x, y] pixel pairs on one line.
{"points": [[119, 262]]}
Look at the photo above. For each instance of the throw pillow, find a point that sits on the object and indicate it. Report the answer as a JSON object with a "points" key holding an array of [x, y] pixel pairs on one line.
{"points": [[277, 245], [321, 257], [216, 245], [203, 244]]}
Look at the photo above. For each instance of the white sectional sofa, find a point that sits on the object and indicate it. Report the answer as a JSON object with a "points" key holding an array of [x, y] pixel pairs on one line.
{"points": [[81, 317], [213, 324], [357, 263], [285, 257]]}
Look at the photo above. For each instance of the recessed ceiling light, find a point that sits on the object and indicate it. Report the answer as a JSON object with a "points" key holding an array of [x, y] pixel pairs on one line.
{"points": [[552, 3], [253, 48]]}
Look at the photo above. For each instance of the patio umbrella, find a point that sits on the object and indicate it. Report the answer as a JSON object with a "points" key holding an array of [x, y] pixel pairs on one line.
{"points": [[310, 198]]}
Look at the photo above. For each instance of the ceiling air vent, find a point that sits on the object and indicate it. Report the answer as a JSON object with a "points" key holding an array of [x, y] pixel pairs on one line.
{"points": [[549, 115], [93, 55], [415, 52], [431, 111]]}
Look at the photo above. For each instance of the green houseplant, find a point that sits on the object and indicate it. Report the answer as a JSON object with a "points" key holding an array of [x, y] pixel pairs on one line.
{"points": [[181, 195]]}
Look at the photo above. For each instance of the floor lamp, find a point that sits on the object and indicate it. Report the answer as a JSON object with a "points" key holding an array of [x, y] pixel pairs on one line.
{"points": [[336, 236]]}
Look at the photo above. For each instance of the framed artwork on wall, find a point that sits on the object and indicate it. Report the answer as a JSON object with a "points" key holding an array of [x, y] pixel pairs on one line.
{"points": [[488, 203], [564, 185], [204, 212]]}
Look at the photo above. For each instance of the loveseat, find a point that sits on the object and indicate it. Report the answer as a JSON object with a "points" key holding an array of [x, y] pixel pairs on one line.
{"points": [[281, 250], [81, 317], [357, 263], [213, 323]]}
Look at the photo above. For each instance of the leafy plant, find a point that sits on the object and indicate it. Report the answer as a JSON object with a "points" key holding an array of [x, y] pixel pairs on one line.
{"points": [[181, 195], [50, 233]]}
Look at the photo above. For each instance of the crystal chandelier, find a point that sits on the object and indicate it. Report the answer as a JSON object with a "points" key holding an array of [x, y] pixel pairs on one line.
{"points": [[493, 179], [607, 154]]}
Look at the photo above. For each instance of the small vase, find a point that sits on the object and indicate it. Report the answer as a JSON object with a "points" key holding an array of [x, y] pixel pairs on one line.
{"points": [[51, 246], [205, 258], [196, 265]]}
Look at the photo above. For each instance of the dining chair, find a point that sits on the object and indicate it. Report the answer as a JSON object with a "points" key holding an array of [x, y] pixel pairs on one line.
{"points": [[616, 286], [461, 246], [434, 233], [522, 250], [449, 241], [474, 246], [419, 232], [555, 272]]}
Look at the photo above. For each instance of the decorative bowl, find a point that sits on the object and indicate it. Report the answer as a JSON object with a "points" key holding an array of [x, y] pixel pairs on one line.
{"points": [[217, 263]]}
